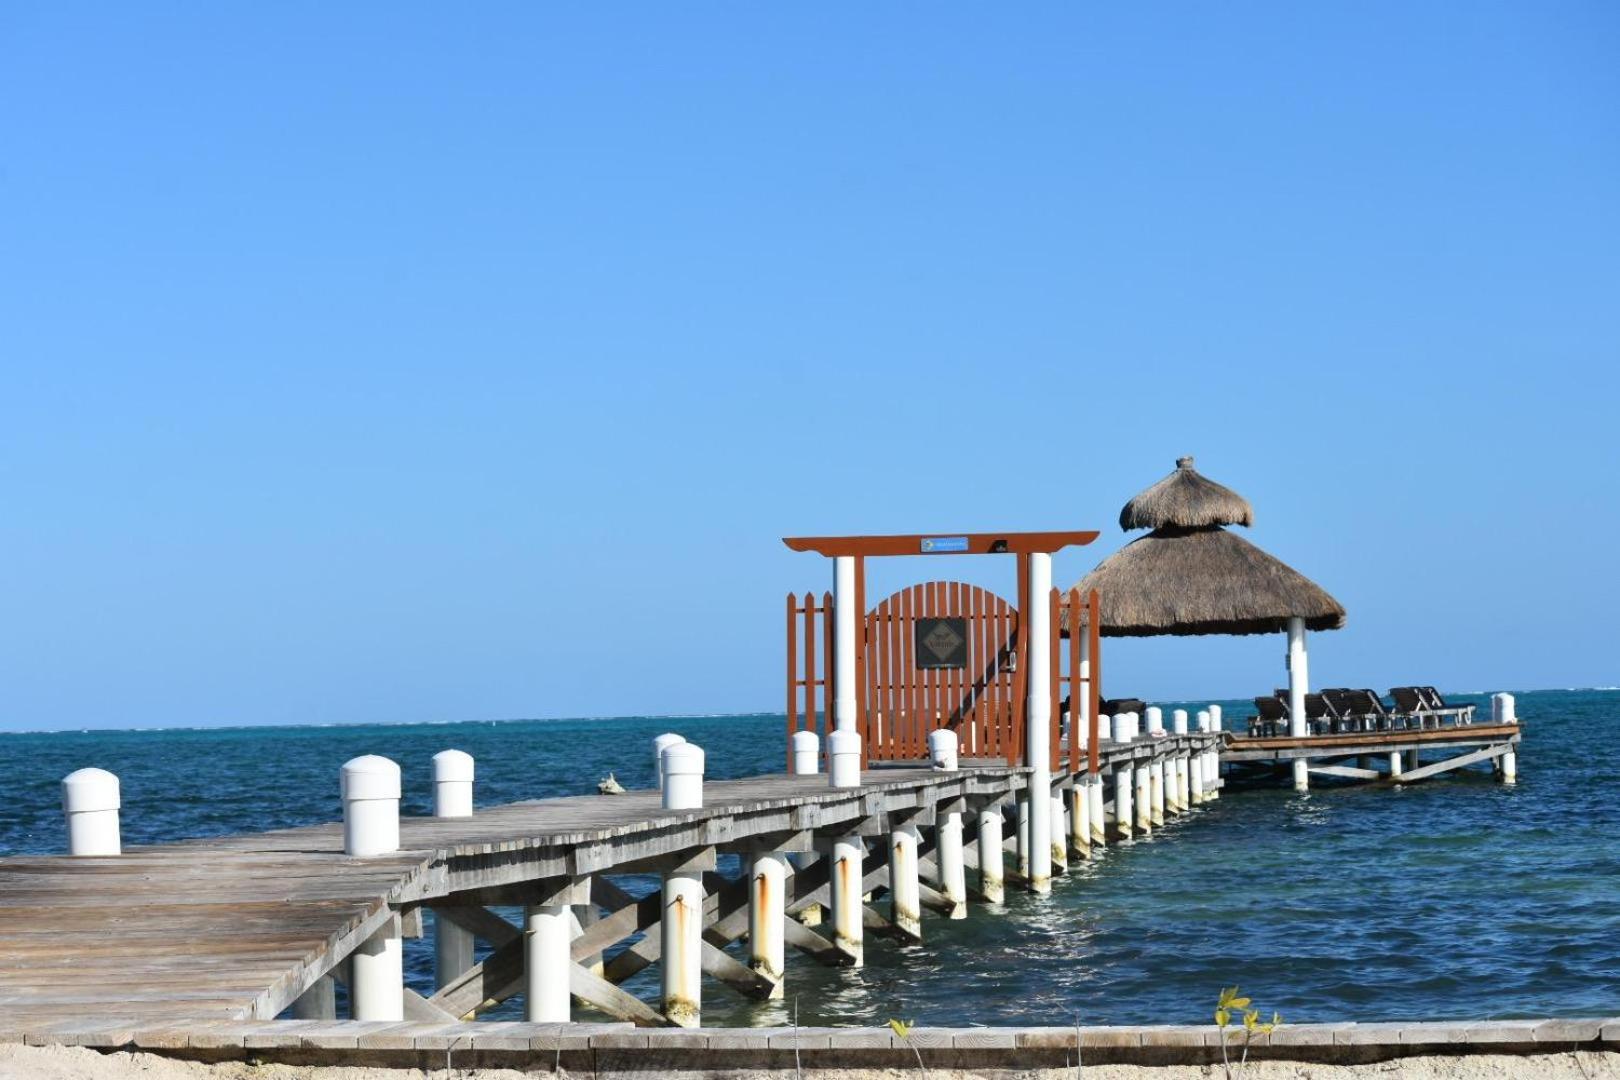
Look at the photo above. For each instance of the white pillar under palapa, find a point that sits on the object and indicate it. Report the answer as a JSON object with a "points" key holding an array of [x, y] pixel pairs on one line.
{"points": [[1298, 686]]}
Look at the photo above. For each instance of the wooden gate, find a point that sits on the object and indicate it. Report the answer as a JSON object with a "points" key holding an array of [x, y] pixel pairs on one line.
{"points": [[907, 692]]}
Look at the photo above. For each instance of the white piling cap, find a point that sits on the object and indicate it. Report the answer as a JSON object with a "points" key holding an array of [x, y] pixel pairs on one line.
{"points": [[682, 759], [806, 740], [450, 766], [668, 738], [370, 776], [85, 790], [941, 739]]}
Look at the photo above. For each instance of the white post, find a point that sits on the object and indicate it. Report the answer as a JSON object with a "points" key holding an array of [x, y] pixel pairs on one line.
{"points": [[1039, 711], [942, 748], [1178, 722], [905, 899], [1504, 711], [548, 931], [849, 917], [1157, 790], [1298, 687], [90, 803], [370, 786], [683, 776], [1080, 817], [1060, 833], [806, 753], [1214, 755], [1195, 779], [452, 798], [1155, 720], [377, 975], [1021, 840], [844, 616], [669, 738], [767, 913], [844, 754], [681, 927], [681, 947], [1395, 759], [991, 856], [1099, 827], [1124, 819], [1144, 798], [1080, 712]]}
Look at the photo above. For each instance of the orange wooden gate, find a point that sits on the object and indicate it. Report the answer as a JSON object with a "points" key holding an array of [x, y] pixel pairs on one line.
{"points": [[903, 699]]}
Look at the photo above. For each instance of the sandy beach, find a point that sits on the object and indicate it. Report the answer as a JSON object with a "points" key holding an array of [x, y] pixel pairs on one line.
{"points": [[19, 1062]]}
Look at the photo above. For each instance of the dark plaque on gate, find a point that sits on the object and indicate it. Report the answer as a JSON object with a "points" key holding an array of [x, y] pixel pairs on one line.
{"points": [[942, 643]]}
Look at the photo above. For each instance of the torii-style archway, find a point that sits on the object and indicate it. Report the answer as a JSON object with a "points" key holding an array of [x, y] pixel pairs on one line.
{"points": [[1035, 645]]}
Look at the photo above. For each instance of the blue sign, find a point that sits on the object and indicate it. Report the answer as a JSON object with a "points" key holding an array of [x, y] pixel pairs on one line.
{"points": [[938, 545]]}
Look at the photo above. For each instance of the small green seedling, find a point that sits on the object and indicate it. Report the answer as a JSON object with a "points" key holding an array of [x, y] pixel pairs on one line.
{"points": [[1232, 1001]]}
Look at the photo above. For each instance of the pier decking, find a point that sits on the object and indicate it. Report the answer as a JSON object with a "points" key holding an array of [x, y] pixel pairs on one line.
{"points": [[240, 927]]}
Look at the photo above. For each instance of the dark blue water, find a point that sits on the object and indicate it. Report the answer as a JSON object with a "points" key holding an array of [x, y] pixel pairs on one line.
{"points": [[1454, 898]]}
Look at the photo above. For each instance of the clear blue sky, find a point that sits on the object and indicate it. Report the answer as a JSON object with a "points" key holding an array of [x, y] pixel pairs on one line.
{"points": [[401, 362]]}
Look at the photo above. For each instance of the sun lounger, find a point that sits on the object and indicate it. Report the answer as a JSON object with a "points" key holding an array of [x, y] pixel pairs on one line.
{"points": [[1271, 717]]}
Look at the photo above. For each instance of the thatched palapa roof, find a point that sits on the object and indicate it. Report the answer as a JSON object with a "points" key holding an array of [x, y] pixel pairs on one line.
{"points": [[1190, 576]]}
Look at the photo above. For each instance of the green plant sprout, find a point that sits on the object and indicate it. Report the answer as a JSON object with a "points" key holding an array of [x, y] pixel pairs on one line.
{"points": [[902, 1031], [1231, 1000]]}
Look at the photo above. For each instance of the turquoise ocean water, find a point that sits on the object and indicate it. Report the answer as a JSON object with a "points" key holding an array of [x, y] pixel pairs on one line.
{"points": [[1455, 898]]}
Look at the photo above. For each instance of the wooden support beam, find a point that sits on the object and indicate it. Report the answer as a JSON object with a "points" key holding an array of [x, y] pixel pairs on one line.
{"points": [[478, 921], [598, 993], [1348, 772], [418, 1007], [1454, 763], [734, 973], [813, 945], [485, 986]]}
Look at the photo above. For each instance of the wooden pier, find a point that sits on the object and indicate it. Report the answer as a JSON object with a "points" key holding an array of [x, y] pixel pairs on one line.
{"points": [[247, 927]]}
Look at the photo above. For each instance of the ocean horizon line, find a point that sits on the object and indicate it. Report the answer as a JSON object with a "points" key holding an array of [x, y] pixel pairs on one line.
{"points": [[604, 717]]}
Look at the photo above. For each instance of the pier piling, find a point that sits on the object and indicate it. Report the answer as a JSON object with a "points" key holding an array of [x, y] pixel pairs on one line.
{"points": [[90, 803], [370, 786]]}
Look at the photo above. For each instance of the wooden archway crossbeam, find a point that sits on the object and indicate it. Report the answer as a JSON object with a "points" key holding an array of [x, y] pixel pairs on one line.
{"points": [[1009, 543]]}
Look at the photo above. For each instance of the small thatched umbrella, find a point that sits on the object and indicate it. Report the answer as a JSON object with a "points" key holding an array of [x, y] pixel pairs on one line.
{"points": [[1190, 576]]}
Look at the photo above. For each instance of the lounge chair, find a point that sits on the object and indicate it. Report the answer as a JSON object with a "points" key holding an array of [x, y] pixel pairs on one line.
{"points": [[1350, 709], [1372, 707], [1271, 717], [1459, 714], [1412, 707], [1115, 706]]}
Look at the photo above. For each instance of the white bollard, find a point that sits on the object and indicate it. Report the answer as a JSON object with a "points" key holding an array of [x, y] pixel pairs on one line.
{"points": [[849, 916], [942, 749], [548, 931], [992, 856], [767, 914], [1095, 795], [370, 786], [1060, 833], [844, 750], [90, 803], [1080, 817], [377, 975], [452, 784], [1203, 720], [1157, 791], [1214, 718], [660, 744], [1144, 798], [1395, 759], [681, 941], [1105, 728], [683, 776], [1178, 722], [905, 898], [1155, 720], [452, 798], [1510, 768], [806, 753], [1124, 818], [1503, 709]]}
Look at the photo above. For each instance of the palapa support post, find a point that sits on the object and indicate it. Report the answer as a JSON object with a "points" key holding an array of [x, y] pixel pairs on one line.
{"points": [[844, 759], [846, 617], [681, 927], [1021, 863], [992, 856], [767, 917], [90, 804], [1504, 711], [1037, 615], [1298, 687], [453, 772]]}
